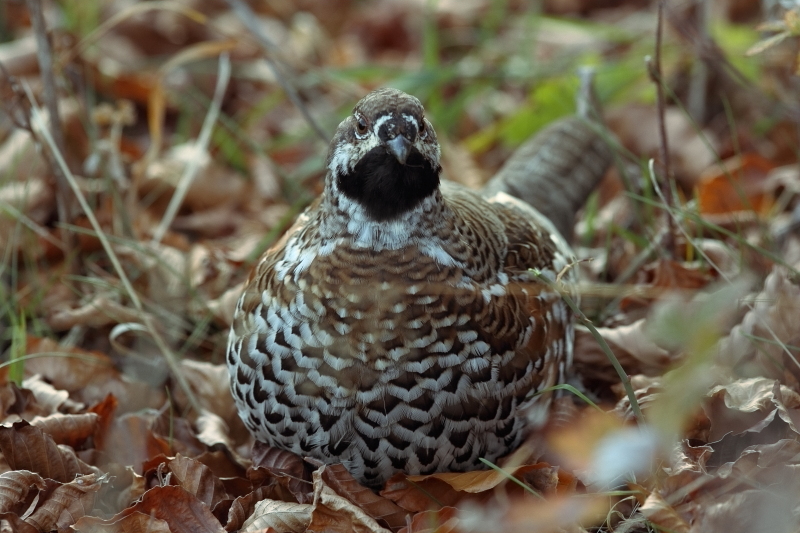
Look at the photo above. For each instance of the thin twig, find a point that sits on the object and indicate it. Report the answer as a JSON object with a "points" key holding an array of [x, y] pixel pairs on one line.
{"points": [[248, 18], [200, 147], [39, 123], [44, 54], [655, 72]]}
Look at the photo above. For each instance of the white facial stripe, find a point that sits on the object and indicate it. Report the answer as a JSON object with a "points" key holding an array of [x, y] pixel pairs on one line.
{"points": [[412, 119], [378, 123]]}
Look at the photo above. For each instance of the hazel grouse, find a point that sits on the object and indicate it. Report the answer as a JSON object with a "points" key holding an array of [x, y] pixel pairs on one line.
{"points": [[396, 326]]}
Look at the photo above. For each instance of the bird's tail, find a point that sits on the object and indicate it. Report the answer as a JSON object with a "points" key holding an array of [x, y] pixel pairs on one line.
{"points": [[556, 170]]}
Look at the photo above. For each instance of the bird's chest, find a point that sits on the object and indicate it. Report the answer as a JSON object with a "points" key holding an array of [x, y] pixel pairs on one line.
{"points": [[384, 307]]}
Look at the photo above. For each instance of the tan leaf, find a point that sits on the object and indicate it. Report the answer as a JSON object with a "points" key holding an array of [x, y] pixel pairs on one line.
{"points": [[244, 506], [663, 515], [285, 517], [443, 520], [135, 522], [774, 316], [631, 344], [211, 385], [750, 510], [48, 398], [750, 405]]}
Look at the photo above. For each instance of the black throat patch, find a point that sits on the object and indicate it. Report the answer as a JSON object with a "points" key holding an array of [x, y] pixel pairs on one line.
{"points": [[386, 188]]}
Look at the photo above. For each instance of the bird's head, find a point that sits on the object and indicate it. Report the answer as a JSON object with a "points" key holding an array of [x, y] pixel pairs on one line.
{"points": [[385, 155]]}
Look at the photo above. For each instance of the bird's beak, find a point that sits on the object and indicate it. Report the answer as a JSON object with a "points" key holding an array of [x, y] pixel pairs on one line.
{"points": [[399, 147]]}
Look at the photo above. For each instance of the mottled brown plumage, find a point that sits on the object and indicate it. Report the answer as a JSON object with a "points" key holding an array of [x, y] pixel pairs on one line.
{"points": [[396, 325]]}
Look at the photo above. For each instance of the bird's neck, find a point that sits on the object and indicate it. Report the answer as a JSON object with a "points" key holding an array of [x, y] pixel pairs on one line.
{"points": [[345, 217]]}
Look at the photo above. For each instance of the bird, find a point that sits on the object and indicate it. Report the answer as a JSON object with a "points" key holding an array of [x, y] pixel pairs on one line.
{"points": [[396, 326]]}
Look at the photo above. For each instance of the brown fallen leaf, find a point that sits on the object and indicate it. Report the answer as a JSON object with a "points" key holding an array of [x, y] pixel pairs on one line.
{"points": [[11, 523], [70, 430], [381, 509], [333, 513], [66, 503], [736, 184], [26, 447], [273, 463], [196, 478], [18, 489]]}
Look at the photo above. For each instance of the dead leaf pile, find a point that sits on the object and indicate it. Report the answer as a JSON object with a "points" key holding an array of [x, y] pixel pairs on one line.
{"points": [[194, 133]]}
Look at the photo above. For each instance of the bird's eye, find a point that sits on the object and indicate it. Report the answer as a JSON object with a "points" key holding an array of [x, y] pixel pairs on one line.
{"points": [[361, 126], [422, 126]]}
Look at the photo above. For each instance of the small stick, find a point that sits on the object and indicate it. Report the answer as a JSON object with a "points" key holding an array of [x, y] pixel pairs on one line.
{"points": [[654, 70], [200, 147], [248, 18], [44, 54]]}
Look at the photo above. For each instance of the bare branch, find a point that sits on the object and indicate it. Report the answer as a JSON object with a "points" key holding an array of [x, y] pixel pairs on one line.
{"points": [[245, 13]]}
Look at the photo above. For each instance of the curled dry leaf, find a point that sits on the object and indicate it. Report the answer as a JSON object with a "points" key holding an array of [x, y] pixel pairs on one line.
{"points": [[273, 463], [182, 511], [761, 343], [18, 489], [444, 520], [286, 517], [244, 507], [749, 406], [333, 513], [213, 431], [196, 478], [128, 523], [70, 430], [48, 399], [645, 389], [381, 509], [211, 385], [663, 515], [26, 447], [66, 503]]}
